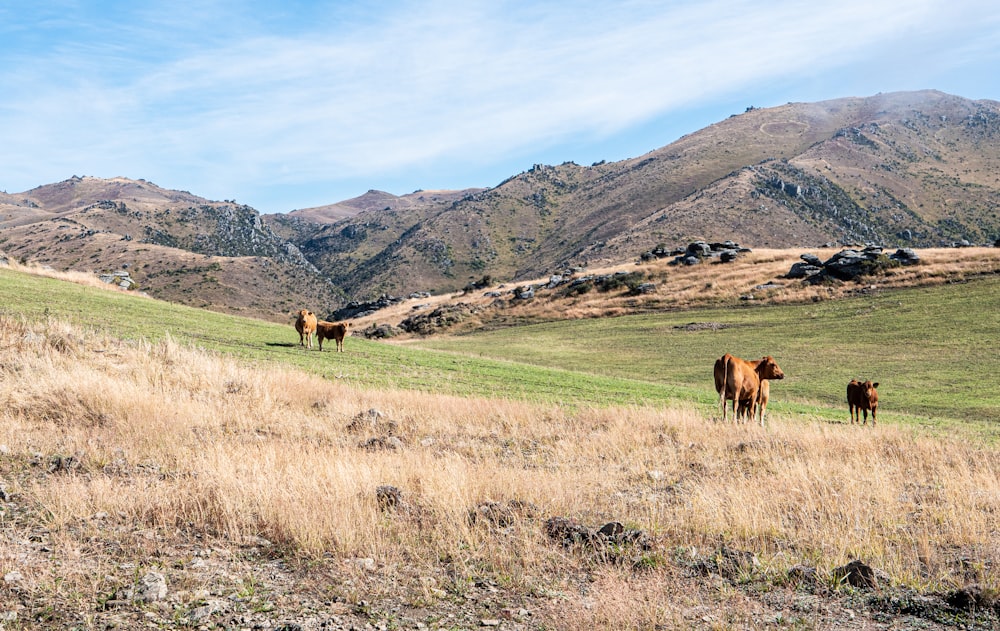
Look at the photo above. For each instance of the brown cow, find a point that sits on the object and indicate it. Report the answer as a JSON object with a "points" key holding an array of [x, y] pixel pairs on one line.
{"points": [[740, 380], [305, 324], [751, 408], [336, 331], [862, 397], [720, 378]]}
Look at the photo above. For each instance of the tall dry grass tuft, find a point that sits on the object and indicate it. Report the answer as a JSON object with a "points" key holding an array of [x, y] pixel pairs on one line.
{"points": [[176, 442]]}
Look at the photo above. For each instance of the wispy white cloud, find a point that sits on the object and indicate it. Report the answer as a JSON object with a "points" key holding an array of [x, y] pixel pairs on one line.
{"points": [[222, 102]]}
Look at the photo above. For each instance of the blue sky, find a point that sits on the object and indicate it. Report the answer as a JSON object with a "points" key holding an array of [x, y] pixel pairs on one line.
{"points": [[292, 104]]}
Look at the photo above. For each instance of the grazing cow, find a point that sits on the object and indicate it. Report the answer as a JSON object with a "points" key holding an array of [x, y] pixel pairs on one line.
{"points": [[740, 380], [336, 331], [305, 324], [862, 397]]}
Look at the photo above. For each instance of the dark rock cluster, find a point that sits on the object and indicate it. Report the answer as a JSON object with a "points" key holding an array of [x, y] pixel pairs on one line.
{"points": [[697, 252], [443, 316], [356, 309], [850, 264]]}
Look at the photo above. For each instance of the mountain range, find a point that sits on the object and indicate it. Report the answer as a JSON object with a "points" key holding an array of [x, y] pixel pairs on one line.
{"points": [[898, 169]]}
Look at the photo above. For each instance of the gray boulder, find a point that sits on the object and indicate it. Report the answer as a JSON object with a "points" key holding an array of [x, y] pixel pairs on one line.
{"points": [[906, 256]]}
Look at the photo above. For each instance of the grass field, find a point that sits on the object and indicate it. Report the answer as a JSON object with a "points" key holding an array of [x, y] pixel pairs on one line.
{"points": [[931, 350], [251, 485]]}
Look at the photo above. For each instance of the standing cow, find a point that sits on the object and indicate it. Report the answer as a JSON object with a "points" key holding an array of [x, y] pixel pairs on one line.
{"points": [[861, 397], [305, 324], [751, 408], [739, 380], [335, 331]]}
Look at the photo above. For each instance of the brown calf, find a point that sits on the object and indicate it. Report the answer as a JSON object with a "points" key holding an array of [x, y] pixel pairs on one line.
{"points": [[751, 408], [336, 331], [861, 397]]}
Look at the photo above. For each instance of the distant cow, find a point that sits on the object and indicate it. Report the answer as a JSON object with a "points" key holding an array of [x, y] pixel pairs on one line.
{"points": [[739, 380], [305, 324], [862, 397], [336, 331]]}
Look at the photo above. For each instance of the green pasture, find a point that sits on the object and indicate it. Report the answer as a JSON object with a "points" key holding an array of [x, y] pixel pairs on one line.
{"points": [[934, 351], [364, 363]]}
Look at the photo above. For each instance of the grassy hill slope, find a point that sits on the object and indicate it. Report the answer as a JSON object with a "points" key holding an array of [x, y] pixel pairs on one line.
{"points": [[927, 347]]}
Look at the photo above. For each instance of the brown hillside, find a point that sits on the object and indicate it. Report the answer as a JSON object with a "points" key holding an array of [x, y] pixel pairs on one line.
{"points": [[176, 246], [904, 169]]}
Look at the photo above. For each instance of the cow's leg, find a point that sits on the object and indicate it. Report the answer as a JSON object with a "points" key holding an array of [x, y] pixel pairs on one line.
{"points": [[865, 411], [873, 417]]}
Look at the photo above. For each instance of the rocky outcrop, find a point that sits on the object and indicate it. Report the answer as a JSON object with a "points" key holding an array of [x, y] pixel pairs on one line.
{"points": [[697, 252], [356, 309], [850, 264], [121, 278]]}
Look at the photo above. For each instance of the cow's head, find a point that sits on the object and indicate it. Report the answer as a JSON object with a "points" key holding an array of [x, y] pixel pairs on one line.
{"points": [[869, 390], [768, 369]]}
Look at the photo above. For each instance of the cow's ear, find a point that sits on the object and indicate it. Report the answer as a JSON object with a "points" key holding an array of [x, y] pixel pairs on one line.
{"points": [[875, 385]]}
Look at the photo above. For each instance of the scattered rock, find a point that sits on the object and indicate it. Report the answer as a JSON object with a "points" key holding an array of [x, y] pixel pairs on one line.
{"points": [[365, 421], [441, 317], [382, 443], [803, 575], [355, 309], [379, 331], [646, 288], [152, 587], [906, 256], [120, 278], [972, 597], [502, 514], [389, 497], [858, 574]]}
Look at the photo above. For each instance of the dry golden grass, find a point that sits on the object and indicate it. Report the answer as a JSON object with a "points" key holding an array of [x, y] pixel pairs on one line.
{"points": [[127, 451], [713, 284]]}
